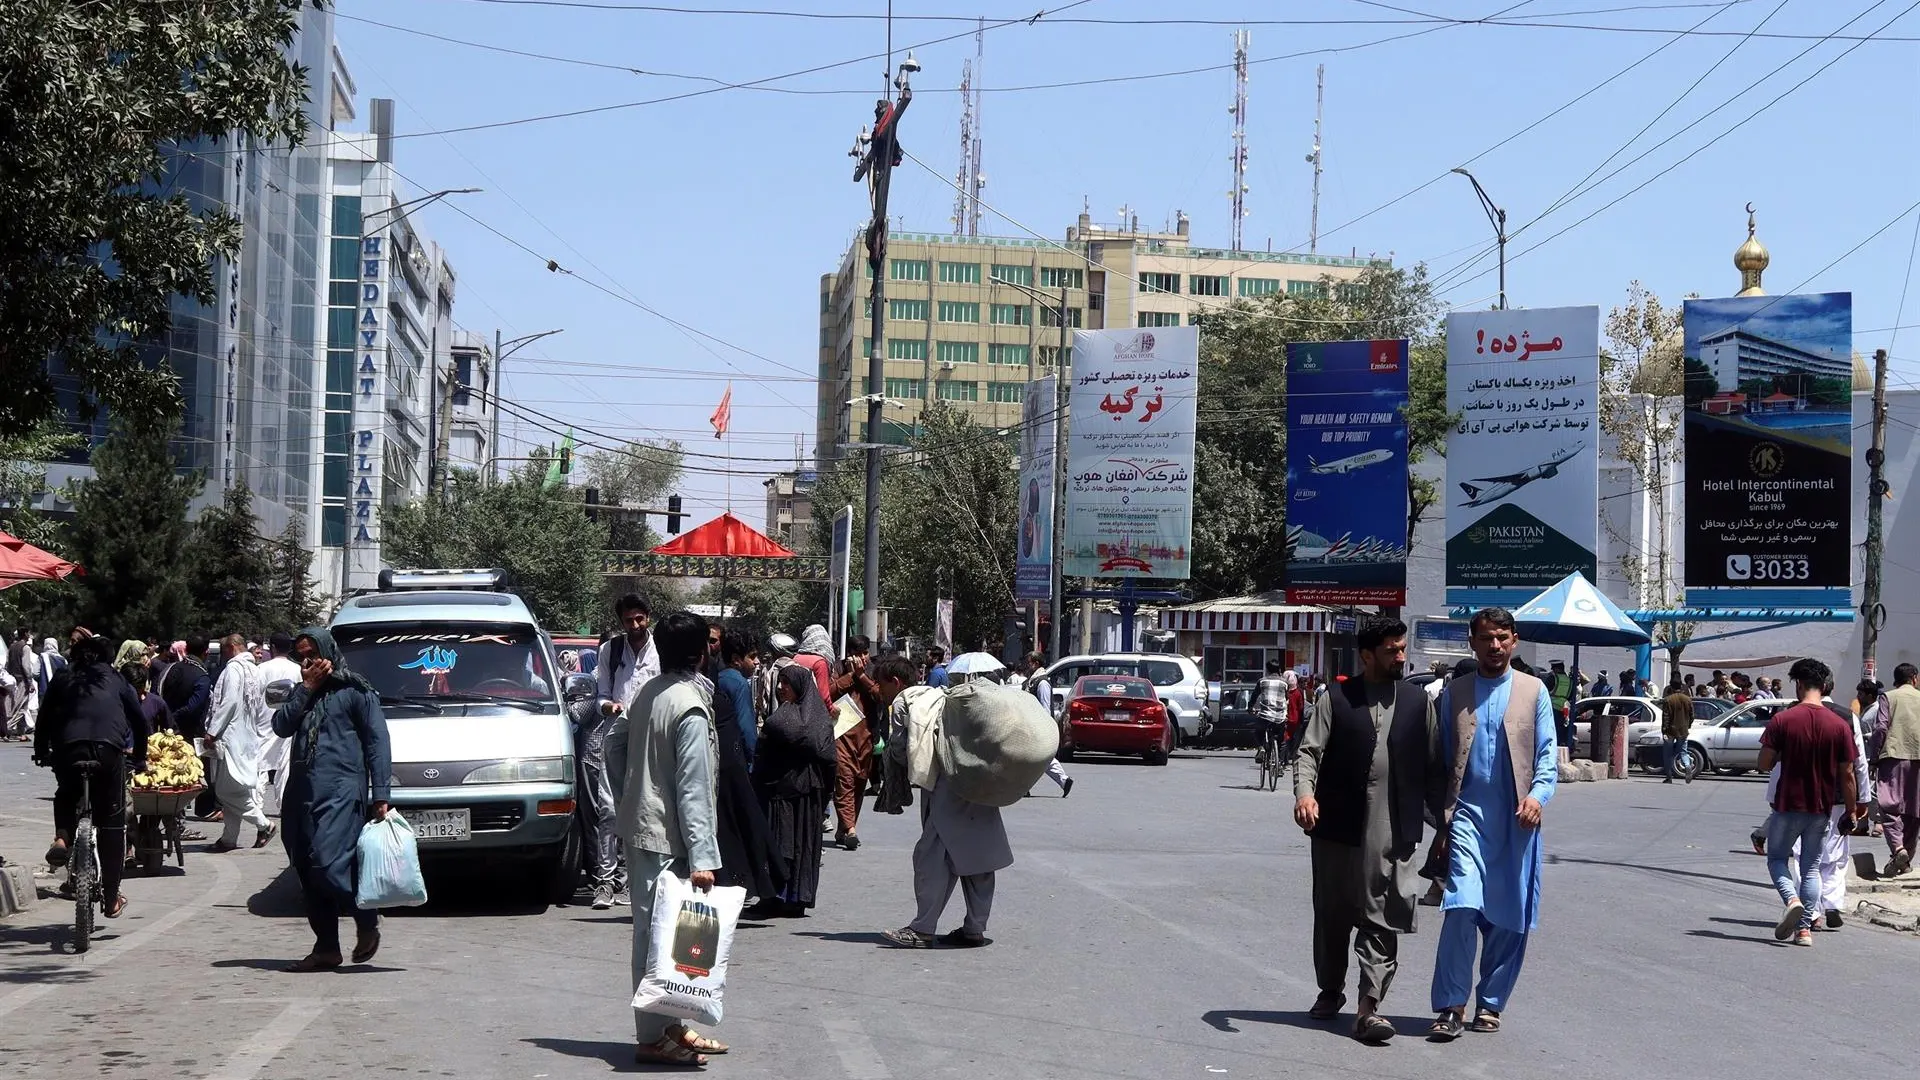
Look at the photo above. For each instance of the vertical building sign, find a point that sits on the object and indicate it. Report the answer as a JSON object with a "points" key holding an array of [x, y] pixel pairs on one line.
{"points": [[1130, 429], [1768, 384], [1347, 472], [369, 380], [1033, 563], [1523, 486]]}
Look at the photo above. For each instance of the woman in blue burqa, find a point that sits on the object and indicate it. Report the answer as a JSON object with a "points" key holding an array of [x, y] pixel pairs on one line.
{"points": [[339, 771]]}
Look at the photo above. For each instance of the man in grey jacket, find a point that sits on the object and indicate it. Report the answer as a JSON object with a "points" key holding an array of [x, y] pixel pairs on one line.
{"points": [[662, 758]]}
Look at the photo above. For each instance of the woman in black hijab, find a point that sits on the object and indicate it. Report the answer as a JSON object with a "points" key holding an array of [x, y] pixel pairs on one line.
{"points": [[793, 773]]}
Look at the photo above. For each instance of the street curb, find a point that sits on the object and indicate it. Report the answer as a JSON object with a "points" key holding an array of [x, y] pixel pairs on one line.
{"points": [[17, 892]]}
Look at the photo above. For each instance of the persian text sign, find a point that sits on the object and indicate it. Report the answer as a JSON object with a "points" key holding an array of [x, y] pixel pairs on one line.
{"points": [[1130, 453], [1347, 472], [1523, 486], [1033, 563], [1769, 451]]}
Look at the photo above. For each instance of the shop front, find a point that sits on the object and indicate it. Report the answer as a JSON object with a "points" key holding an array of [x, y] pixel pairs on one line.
{"points": [[1234, 638]]}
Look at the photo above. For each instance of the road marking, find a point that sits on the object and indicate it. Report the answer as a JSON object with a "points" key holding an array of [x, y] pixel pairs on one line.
{"points": [[265, 1045], [105, 953], [856, 1052]]}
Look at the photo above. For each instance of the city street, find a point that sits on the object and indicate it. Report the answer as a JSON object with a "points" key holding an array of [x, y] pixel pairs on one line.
{"points": [[1154, 925]]}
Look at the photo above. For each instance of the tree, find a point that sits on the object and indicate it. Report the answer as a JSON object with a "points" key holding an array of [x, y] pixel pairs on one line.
{"points": [[129, 532], [92, 245], [294, 601], [540, 535], [230, 569], [639, 473]]}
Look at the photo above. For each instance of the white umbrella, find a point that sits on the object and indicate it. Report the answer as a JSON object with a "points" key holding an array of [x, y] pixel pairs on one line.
{"points": [[975, 663]]}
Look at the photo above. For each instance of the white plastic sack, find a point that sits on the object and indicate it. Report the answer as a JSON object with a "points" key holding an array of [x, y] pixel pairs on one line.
{"points": [[996, 742], [389, 865], [692, 935]]}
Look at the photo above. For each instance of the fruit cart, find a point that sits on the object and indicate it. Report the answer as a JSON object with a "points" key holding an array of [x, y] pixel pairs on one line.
{"points": [[153, 825]]}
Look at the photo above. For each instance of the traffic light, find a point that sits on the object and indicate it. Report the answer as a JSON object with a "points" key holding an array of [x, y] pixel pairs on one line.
{"points": [[593, 501], [566, 459], [673, 515]]}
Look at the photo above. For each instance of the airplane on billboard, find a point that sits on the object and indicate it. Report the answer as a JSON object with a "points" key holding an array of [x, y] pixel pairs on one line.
{"points": [[1312, 547], [1349, 464], [1488, 489]]}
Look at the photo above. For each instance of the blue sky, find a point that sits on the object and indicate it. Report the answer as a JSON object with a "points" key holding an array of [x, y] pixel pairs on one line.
{"points": [[721, 211]]}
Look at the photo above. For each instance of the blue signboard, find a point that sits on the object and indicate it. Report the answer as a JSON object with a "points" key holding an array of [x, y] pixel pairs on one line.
{"points": [[1347, 472]]}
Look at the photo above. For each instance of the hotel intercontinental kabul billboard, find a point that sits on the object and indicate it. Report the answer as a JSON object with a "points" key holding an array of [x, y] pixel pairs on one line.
{"points": [[1523, 486], [1347, 472], [1769, 451]]}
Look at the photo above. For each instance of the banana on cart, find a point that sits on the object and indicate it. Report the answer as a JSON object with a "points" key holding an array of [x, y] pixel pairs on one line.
{"points": [[171, 765]]}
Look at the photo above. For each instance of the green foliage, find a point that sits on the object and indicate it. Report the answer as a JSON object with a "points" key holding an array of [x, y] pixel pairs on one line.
{"points": [[129, 533], [92, 93], [640, 473], [540, 535], [229, 569], [765, 607], [295, 602], [1699, 383]]}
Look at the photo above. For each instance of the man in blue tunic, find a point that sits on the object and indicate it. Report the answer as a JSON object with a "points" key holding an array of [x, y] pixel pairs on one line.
{"points": [[1497, 735]]}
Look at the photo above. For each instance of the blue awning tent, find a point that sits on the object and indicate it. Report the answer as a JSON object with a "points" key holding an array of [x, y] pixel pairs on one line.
{"points": [[1575, 613]]}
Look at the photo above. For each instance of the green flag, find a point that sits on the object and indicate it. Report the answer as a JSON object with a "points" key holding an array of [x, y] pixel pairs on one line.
{"points": [[562, 464]]}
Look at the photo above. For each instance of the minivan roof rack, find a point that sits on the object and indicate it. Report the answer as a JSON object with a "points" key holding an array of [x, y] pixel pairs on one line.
{"points": [[486, 580]]}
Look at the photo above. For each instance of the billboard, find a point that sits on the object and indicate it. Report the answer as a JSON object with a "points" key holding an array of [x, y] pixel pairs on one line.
{"points": [[1769, 451], [1130, 453], [1347, 472], [1033, 562], [1523, 483]]}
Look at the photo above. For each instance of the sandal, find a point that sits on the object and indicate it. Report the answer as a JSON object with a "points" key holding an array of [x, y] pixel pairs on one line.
{"points": [[313, 962], [1327, 1006], [1487, 1022], [668, 1052], [908, 938], [364, 948], [1446, 1027], [695, 1041], [117, 909], [1374, 1029]]}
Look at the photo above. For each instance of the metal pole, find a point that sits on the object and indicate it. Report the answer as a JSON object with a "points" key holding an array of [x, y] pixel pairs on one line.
{"points": [[1870, 609], [1500, 229], [1059, 586], [499, 391], [876, 165]]}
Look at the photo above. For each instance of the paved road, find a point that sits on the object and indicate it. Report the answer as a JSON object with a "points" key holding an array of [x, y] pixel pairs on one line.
{"points": [[1154, 926]]}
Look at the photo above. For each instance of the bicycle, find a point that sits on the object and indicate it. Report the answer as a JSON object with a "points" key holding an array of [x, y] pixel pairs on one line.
{"points": [[83, 861], [1272, 765]]}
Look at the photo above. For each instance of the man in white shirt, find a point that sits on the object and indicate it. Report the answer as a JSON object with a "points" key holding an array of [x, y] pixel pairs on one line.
{"points": [[233, 716], [627, 662], [278, 676]]}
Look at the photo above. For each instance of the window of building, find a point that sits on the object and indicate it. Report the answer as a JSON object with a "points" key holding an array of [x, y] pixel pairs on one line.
{"points": [[1351, 292], [1316, 289], [1160, 283], [1159, 318], [959, 311], [907, 309], [1055, 277], [1012, 315], [826, 302], [906, 349], [959, 391], [346, 215], [1207, 284], [866, 349], [909, 270], [1050, 356], [1018, 275], [1013, 355], [826, 335], [960, 273], [343, 293], [1050, 316], [1259, 286], [343, 256], [904, 389], [958, 352], [462, 378], [1007, 392]]}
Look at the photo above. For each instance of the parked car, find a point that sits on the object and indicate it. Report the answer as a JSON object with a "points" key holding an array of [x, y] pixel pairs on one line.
{"points": [[1177, 680], [1644, 716], [1234, 723], [1116, 714], [1729, 744]]}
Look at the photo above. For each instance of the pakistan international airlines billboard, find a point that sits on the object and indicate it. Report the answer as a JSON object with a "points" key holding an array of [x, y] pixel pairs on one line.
{"points": [[1347, 472]]}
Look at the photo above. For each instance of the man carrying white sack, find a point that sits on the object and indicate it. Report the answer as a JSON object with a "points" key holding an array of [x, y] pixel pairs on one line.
{"points": [[662, 756]]}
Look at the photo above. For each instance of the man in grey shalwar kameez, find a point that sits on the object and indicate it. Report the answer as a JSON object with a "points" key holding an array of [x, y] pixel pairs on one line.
{"points": [[1369, 772]]}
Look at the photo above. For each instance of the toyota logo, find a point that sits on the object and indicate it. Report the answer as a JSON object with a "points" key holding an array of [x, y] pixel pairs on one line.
{"points": [[430, 774]]}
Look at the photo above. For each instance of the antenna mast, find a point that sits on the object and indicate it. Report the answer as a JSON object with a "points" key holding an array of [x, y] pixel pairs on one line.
{"points": [[966, 200], [979, 111], [1239, 111], [1319, 103]]}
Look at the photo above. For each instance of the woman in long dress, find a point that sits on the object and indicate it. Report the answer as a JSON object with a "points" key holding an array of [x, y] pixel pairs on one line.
{"points": [[793, 772]]}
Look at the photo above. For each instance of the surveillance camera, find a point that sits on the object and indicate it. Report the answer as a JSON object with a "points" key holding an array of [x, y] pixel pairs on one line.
{"points": [[910, 65]]}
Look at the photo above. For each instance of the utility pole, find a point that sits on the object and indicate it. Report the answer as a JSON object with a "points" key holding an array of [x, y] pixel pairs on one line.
{"points": [[493, 404], [877, 153], [1319, 105], [1060, 387], [1870, 609], [443, 437]]}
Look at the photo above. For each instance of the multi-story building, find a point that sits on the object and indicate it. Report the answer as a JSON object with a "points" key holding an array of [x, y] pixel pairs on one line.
{"points": [[971, 319], [790, 507], [470, 442]]}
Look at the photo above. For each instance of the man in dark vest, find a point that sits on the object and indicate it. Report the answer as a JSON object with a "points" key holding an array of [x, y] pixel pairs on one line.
{"points": [[1368, 776]]}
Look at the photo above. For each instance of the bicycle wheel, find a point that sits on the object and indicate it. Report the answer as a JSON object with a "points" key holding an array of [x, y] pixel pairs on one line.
{"points": [[84, 872]]}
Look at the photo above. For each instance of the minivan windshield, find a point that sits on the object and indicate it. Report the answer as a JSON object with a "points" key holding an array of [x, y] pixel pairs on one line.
{"points": [[434, 663]]}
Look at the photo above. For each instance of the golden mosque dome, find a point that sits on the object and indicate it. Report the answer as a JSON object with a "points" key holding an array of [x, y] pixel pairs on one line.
{"points": [[1751, 260], [1862, 377]]}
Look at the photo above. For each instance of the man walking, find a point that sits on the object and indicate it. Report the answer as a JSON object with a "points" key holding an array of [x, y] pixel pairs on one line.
{"points": [[239, 698], [628, 661], [1896, 768], [961, 843], [1815, 752], [1042, 691], [1560, 690], [187, 689], [661, 755], [854, 703], [1676, 721], [1496, 728], [937, 666], [1369, 772], [278, 676]]}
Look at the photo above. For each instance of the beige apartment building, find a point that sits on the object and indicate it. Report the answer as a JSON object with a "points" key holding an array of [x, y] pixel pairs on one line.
{"points": [[971, 319]]}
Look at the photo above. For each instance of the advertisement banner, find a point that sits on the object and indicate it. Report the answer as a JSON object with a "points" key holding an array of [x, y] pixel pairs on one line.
{"points": [[1130, 433], [943, 625], [1523, 483], [1769, 451], [1033, 563], [1347, 472]]}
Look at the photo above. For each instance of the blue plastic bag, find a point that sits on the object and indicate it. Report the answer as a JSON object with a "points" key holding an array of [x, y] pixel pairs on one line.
{"points": [[389, 865]]}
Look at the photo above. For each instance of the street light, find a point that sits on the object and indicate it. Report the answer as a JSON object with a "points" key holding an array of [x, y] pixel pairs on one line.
{"points": [[1056, 603], [1499, 219], [502, 350], [419, 203]]}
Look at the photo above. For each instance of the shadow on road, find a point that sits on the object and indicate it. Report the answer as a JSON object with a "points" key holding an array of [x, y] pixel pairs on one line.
{"points": [[617, 1055], [1576, 860], [850, 937], [1721, 935], [278, 899], [1764, 924], [1342, 1025]]}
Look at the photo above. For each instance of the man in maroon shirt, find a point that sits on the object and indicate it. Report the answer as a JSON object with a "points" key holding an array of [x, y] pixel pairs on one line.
{"points": [[1815, 752]]}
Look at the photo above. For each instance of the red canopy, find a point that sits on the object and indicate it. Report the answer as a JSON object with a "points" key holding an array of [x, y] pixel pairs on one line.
{"points": [[21, 561], [725, 535]]}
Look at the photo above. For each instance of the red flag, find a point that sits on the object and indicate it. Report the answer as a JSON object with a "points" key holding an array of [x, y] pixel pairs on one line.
{"points": [[723, 415]]}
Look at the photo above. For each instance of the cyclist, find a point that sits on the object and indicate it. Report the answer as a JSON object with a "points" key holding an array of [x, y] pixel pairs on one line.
{"points": [[91, 714], [1270, 709]]}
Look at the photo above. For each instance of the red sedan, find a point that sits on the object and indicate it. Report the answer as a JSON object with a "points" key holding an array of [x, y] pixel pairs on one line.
{"points": [[1116, 714]]}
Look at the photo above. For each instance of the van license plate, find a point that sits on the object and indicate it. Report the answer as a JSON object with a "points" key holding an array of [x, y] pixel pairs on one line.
{"points": [[441, 825]]}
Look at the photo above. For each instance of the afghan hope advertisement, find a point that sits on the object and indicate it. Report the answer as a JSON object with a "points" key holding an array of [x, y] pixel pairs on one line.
{"points": [[1347, 472], [1033, 562], [1130, 430], [1769, 450], [1523, 484]]}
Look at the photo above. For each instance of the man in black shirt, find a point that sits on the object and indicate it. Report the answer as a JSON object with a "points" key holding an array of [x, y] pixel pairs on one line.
{"points": [[92, 715]]}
